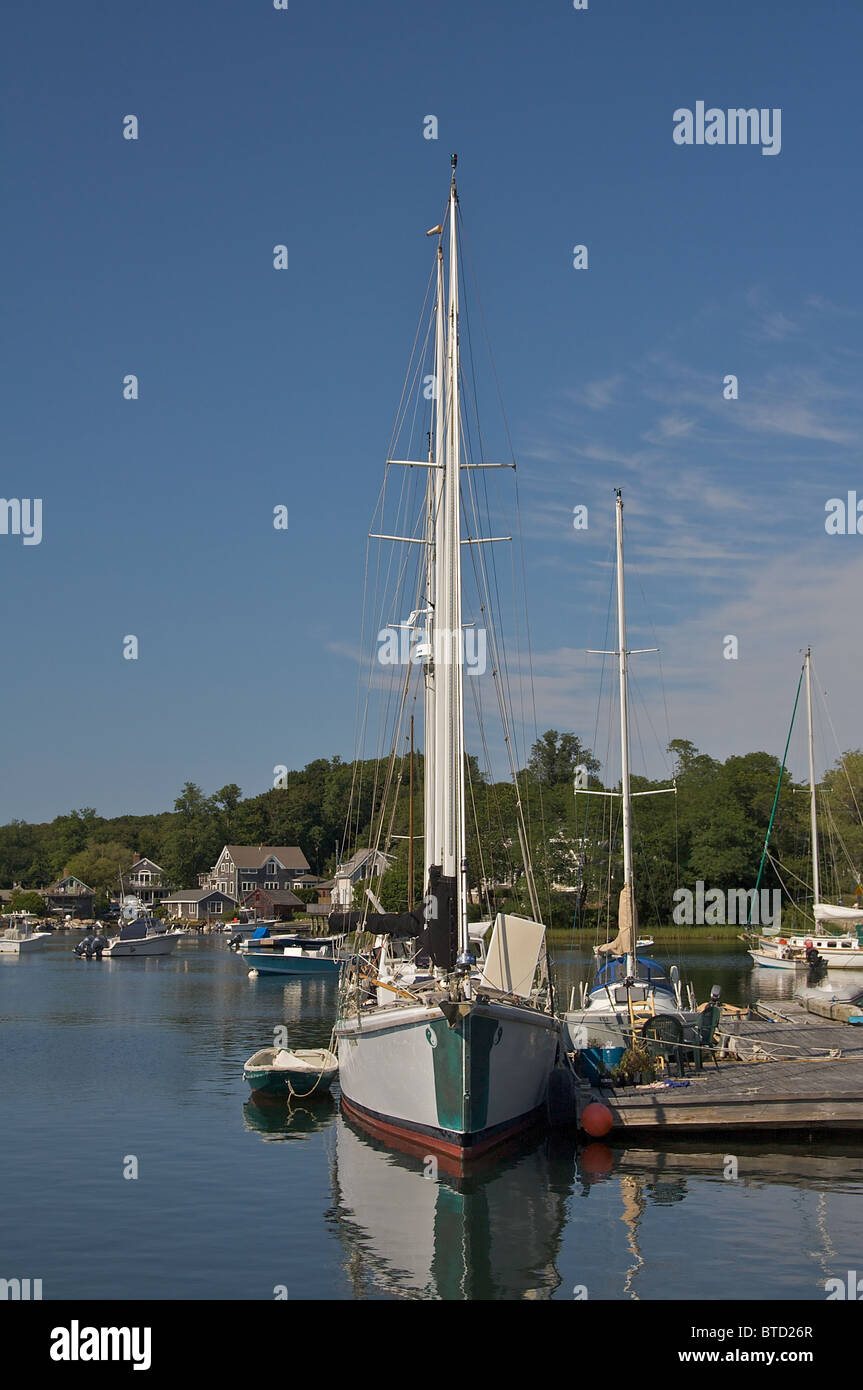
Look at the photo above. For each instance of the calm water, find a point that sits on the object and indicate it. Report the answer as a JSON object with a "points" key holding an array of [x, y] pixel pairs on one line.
{"points": [[143, 1059]]}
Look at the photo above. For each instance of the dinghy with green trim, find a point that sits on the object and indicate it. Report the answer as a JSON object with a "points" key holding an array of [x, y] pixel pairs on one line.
{"points": [[301, 1074]]}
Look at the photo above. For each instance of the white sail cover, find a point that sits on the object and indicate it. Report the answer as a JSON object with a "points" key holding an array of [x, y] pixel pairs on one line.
{"points": [[831, 912], [513, 955], [627, 925]]}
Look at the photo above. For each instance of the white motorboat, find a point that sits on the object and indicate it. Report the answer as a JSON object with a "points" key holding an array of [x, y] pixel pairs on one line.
{"points": [[141, 934], [21, 937]]}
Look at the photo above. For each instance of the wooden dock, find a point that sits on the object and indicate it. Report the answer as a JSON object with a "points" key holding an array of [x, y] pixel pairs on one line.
{"points": [[782, 1068]]}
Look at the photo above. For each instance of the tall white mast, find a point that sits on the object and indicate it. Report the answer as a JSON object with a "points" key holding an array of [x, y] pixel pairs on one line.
{"points": [[449, 706], [625, 794], [813, 815], [434, 496]]}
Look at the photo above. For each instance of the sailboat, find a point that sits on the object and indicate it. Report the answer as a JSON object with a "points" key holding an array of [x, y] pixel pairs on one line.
{"points": [[431, 1044], [628, 988], [830, 946]]}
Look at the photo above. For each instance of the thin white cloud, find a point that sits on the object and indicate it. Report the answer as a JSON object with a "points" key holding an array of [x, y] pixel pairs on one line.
{"points": [[599, 395]]}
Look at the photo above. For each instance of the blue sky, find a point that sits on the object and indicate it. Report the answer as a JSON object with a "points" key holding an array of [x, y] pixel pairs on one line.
{"points": [[257, 387]]}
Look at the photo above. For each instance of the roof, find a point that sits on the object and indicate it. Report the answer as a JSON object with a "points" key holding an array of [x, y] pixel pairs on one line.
{"points": [[145, 860], [279, 897], [194, 895], [256, 856], [69, 878], [357, 861]]}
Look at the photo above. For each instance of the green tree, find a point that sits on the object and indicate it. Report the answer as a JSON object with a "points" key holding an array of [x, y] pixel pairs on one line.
{"points": [[100, 865], [24, 901], [554, 758]]}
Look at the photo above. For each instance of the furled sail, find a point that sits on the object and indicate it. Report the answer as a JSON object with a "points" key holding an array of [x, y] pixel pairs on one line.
{"points": [[627, 925]]}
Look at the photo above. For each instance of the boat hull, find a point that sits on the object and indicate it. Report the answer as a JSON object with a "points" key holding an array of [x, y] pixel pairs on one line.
{"points": [[270, 963], [148, 946], [769, 961], [22, 946], [848, 956], [302, 1082], [460, 1087]]}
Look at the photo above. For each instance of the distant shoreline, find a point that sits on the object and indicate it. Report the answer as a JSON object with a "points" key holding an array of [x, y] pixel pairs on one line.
{"points": [[672, 935]]}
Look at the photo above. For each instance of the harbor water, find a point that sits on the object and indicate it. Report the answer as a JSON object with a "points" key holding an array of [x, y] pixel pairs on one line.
{"points": [[133, 1164]]}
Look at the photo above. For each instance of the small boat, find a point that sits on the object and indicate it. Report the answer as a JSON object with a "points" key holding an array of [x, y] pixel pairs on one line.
{"points": [[140, 933], [280, 1071], [294, 955], [20, 938]]}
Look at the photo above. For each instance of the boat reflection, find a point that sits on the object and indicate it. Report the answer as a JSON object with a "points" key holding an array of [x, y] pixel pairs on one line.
{"points": [[410, 1230], [277, 1119], [514, 1225]]}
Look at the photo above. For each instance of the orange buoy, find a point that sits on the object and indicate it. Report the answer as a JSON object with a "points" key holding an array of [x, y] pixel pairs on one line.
{"points": [[596, 1119]]}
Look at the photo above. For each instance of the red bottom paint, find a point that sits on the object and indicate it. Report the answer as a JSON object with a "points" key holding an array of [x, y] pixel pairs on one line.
{"points": [[454, 1156]]}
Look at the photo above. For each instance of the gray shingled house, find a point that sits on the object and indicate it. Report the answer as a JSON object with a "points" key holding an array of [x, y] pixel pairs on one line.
{"points": [[240, 869]]}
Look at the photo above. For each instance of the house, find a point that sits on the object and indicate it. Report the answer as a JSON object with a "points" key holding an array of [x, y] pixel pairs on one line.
{"points": [[144, 879], [366, 863], [278, 903], [240, 869], [567, 863], [201, 904], [69, 896]]}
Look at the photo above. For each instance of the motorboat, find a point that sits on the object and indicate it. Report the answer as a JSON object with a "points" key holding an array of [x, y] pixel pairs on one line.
{"points": [[141, 934], [289, 954], [22, 937]]}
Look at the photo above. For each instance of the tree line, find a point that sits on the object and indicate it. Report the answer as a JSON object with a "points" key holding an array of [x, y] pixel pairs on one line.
{"points": [[712, 828]]}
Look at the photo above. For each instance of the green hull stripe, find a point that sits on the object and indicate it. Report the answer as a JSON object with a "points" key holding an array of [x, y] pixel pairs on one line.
{"points": [[460, 1053]]}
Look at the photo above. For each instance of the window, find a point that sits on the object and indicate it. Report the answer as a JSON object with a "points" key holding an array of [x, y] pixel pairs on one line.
{"points": [[247, 885], [144, 877], [271, 885], [272, 867]]}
